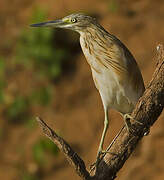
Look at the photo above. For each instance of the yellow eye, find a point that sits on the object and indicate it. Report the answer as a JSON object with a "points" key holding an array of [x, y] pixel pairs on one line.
{"points": [[73, 20]]}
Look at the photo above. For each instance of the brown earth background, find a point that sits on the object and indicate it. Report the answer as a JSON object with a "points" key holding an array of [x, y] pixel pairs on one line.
{"points": [[75, 110]]}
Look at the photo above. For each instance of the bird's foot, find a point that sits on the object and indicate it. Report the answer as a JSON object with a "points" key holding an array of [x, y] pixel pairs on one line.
{"points": [[99, 157], [128, 119], [128, 122]]}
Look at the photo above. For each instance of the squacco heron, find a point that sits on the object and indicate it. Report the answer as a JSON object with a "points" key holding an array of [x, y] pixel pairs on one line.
{"points": [[115, 72]]}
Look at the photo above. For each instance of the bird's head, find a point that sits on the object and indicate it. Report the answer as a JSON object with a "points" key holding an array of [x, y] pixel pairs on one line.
{"points": [[76, 22]]}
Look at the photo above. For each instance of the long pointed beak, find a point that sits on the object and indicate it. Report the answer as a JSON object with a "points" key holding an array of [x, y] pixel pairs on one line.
{"points": [[55, 24]]}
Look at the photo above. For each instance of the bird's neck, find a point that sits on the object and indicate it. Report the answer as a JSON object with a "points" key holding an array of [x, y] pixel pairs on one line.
{"points": [[87, 39], [94, 38], [92, 44]]}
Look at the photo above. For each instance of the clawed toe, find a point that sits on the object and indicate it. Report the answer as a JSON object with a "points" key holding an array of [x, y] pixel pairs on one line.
{"points": [[98, 159], [128, 118], [92, 167]]}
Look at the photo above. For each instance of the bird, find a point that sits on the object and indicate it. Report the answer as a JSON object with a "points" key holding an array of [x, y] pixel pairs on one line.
{"points": [[115, 72]]}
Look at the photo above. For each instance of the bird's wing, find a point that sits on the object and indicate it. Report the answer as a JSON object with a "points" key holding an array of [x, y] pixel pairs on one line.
{"points": [[133, 74], [111, 55]]}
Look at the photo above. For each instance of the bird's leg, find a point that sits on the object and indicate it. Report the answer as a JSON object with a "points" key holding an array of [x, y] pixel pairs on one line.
{"points": [[115, 138], [100, 149], [106, 124]]}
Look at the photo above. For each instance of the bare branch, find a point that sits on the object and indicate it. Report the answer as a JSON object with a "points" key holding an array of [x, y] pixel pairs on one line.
{"points": [[147, 110], [72, 156]]}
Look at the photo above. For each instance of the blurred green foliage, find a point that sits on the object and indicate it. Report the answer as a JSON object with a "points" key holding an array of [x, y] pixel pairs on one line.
{"points": [[113, 6], [18, 108], [2, 79], [2, 67], [31, 123], [42, 96], [28, 176], [41, 148], [2, 93], [37, 49]]}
